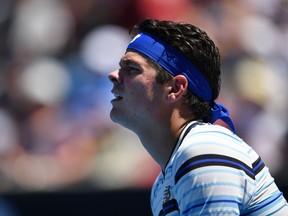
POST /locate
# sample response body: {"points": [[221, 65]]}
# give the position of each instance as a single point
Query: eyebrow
{"points": [[125, 62]]}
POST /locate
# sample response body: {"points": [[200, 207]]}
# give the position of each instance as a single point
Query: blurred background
{"points": [[58, 147]]}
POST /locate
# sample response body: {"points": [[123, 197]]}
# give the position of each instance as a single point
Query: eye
{"points": [[133, 69], [129, 67]]}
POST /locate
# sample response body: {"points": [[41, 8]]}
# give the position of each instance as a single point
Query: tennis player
{"points": [[165, 91]]}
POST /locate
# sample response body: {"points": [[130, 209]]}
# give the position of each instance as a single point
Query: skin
{"points": [[154, 111]]}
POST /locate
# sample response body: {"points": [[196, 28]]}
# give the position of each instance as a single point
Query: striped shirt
{"points": [[213, 172]]}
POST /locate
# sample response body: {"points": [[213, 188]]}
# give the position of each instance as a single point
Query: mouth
{"points": [[117, 97]]}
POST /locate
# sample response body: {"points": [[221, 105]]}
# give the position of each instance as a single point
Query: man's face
{"points": [[138, 97]]}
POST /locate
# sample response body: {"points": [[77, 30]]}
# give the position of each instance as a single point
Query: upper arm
{"points": [[203, 186]]}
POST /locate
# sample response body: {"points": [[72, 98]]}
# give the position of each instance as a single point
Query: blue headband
{"points": [[176, 63]]}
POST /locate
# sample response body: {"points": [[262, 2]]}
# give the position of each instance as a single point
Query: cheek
{"points": [[149, 93], [140, 95], [148, 97], [142, 90]]}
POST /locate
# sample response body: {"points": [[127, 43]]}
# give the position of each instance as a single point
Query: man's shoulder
{"points": [[209, 144], [211, 139]]}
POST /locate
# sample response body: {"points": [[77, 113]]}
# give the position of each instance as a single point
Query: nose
{"points": [[114, 76]]}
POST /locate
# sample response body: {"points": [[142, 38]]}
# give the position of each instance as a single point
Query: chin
{"points": [[116, 118], [113, 116]]}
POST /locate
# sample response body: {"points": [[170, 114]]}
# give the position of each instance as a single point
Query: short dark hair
{"points": [[196, 45]]}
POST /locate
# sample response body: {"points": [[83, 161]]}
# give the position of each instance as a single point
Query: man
{"points": [[165, 92]]}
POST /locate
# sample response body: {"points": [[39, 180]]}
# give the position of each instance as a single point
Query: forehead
{"points": [[134, 57]]}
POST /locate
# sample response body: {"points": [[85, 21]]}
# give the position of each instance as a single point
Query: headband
{"points": [[176, 63]]}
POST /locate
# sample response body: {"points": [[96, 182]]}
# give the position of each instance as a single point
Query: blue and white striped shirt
{"points": [[214, 172]]}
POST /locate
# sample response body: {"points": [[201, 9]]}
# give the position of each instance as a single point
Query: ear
{"points": [[178, 88]]}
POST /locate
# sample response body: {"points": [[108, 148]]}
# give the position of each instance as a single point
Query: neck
{"points": [[160, 141]]}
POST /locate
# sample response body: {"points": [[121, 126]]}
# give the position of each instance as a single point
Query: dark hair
{"points": [[195, 45]]}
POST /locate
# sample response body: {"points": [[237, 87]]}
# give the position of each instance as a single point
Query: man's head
{"points": [[197, 47], [181, 58]]}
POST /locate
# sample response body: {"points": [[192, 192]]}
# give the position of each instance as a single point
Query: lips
{"points": [[117, 96]]}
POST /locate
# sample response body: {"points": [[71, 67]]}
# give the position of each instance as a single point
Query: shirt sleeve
{"points": [[217, 173], [211, 185]]}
